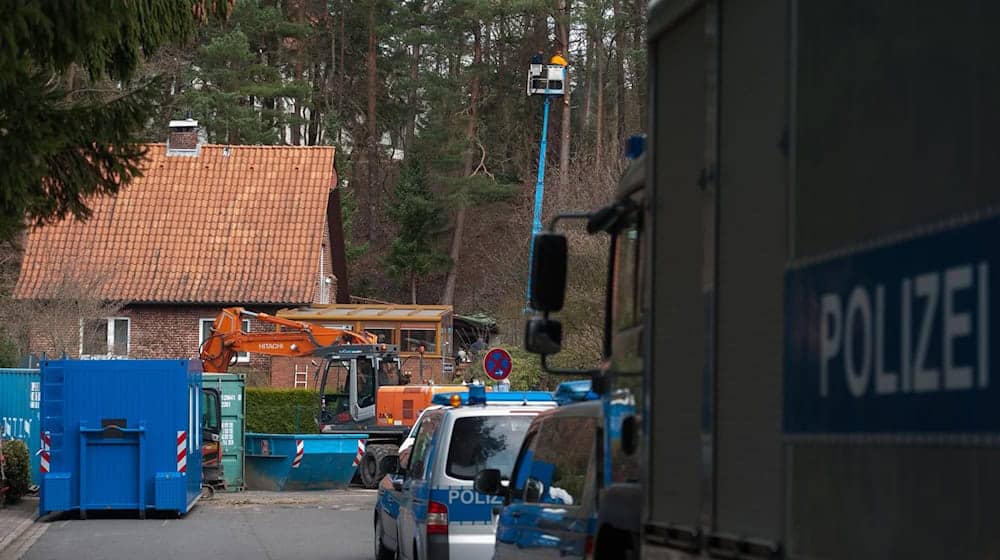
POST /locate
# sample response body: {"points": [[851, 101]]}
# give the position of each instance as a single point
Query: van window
{"points": [[562, 456], [523, 464], [422, 446], [485, 442]]}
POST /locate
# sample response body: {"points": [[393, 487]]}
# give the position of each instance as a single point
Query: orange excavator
{"points": [[364, 374], [300, 339]]}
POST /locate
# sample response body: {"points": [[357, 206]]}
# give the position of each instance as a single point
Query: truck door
{"points": [[363, 387], [679, 423], [211, 429], [552, 506]]}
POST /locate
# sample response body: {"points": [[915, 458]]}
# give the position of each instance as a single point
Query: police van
{"points": [[427, 507]]}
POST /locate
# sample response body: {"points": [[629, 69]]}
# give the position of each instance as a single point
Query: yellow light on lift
{"points": [[456, 400]]}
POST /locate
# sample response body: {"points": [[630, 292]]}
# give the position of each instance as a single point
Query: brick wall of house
{"points": [[155, 331], [54, 339], [172, 331], [283, 372]]}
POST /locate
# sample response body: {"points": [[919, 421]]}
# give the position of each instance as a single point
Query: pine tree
{"points": [[413, 253], [70, 114], [239, 86]]}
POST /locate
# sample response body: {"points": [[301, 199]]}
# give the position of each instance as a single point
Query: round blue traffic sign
{"points": [[498, 364]]}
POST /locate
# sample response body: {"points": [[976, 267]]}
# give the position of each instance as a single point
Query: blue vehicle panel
{"points": [[552, 507], [879, 338]]}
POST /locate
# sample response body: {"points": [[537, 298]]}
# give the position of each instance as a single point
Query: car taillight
{"points": [[437, 518]]}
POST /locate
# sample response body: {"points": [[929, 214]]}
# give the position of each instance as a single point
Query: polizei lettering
{"points": [[471, 497], [928, 333]]}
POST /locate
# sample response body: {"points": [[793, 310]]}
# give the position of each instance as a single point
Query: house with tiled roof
{"points": [[206, 226]]}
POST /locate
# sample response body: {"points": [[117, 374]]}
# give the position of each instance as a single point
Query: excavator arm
{"points": [[290, 338]]}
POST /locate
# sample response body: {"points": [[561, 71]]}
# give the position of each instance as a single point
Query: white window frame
{"points": [[241, 357], [110, 321]]}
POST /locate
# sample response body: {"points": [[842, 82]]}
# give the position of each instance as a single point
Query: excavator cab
{"points": [[356, 373], [335, 392]]}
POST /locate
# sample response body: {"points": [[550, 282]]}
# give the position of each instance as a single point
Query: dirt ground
{"points": [[347, 499]]}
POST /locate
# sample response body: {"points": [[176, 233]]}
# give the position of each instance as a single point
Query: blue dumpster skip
{"points": [[19, 398], [120, 435], [300, 461]]}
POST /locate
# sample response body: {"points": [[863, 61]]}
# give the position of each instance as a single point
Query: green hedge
{"points": [[16, 468], [281, 411]]}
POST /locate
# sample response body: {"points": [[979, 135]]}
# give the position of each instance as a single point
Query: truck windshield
{"points": [[485, 442]]}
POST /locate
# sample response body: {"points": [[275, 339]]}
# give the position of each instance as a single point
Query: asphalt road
{"points": [[249, 526]]}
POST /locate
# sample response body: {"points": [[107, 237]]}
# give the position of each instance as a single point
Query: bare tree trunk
{"points": [[372, 132], [599, 117], [448, 298], [620, 101], [298, 16], [564, 143], [411, 119], [297, 124], [639, 87], [589, 77], [413, 288]]}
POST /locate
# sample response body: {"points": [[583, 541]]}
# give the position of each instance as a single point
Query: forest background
{"points": [[437, 141]]}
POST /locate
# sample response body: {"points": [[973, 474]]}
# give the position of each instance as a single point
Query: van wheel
{"points": [[370, 468]]}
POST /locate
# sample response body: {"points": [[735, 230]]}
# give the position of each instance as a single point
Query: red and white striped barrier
{"points": [[361, 452], [300, 450], [43, 464], [182, 461]]}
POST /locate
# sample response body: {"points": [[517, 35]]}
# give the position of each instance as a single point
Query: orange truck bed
{"points": [[400, 405]]}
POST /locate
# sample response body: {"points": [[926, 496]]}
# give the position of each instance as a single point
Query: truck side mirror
{"points": [[548, 272], [543, 336], [488, 482]]}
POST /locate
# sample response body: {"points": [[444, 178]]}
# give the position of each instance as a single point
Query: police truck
{"points": [[805, 269]]}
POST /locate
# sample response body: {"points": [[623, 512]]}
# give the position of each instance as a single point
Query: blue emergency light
{"points": [[574, 391], [477, 395]]}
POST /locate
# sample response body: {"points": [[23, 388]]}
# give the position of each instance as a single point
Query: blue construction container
{"points": [[300, 461], [19, 419], [122, 435]]}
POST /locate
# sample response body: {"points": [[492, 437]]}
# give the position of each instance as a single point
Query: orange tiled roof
{"points": [[243, 228]]}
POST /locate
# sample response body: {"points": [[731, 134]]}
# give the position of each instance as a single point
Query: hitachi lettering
{"points": [[271, 345], [928, 333]]}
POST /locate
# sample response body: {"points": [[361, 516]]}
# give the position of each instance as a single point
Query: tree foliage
{"points": [[281, 411], [17, 469], [239, 85], [412, 254], [70, 113]]}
